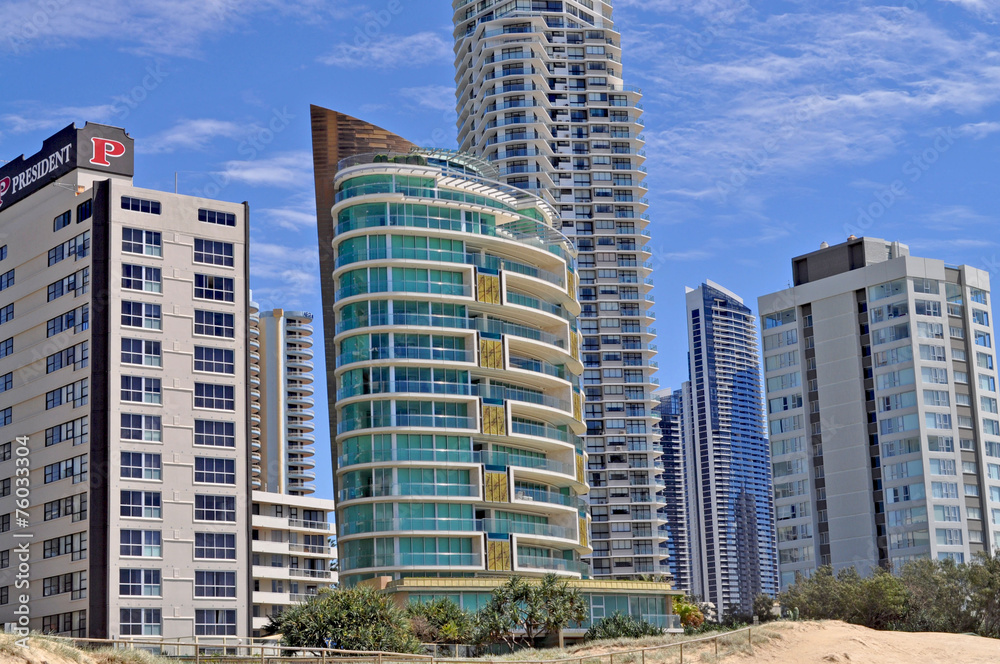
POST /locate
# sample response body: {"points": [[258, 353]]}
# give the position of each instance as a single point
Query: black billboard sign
{"points": [[93, 147]]}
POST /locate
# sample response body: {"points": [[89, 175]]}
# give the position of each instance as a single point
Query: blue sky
{"points": [[770, 126]]}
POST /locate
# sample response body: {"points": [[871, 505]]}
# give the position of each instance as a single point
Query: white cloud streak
{"points": [[392, 51]]}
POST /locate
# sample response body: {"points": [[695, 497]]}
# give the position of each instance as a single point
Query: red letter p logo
{"points": [[4, 188], [104, 148]]}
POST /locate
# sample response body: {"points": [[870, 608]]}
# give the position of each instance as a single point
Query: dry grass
{"points": [[622, 651], [47, 650]]}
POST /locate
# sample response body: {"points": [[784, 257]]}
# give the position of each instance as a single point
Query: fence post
{"points": [[643, 656], [716, 647], [197, 653], [262, 653], [750, 638]]}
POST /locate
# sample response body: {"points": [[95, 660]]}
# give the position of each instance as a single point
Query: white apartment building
{"points": [[291, 553], [542, 98], [882, 401], [122, 350]]}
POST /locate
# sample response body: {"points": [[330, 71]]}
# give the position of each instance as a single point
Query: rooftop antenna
{"points": [[175, 182]]}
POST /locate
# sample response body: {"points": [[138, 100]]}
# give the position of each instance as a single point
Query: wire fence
{"points": [[220, 650]]}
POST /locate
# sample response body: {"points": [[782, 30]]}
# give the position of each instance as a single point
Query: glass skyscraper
{"points": [[542, 98], [673, 467], [731, 509]]}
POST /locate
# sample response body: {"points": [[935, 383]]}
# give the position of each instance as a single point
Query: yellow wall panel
{"points": [[496, 488], [498, 556], [583, 532], [489, 289], [490, 354], [494, 421]]}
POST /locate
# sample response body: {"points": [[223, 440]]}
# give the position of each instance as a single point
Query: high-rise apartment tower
{"points": [[542, 98], [673, 466], [731, 508], [123, 328], [291, 552], [882, 394]]}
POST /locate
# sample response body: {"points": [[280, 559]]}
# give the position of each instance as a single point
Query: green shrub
{"points": [[349, 619], [621, 626]]}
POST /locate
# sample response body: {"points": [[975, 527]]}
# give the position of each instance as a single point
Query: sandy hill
{"points": [[833, 641]]}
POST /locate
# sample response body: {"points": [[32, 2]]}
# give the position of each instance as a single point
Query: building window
{"points": [[140, 205], [6, 313], [62, 221], [141, 466], [142, 352], [76, 356], [76, 431], [140, 622], [212, 287], [84, 211], [214, 360], [211, 470], [3, 252], [141, 505], [139, 582], [220, 218], [216, 397], [139, 241], [6, 347], [75, 468], [5, 416], [214, 508], [212, 252], [77, 282], [6, 279], [214, 434], [141, 543], [78, 246], [215, 546], [142, 278], [214, 324], [140, 389], [215, 622], [141, 314], [214, 584], [5, 452], [147, 428]]}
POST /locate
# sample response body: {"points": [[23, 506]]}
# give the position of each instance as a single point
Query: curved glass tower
{"points": [[541, 96], [458, 410]]}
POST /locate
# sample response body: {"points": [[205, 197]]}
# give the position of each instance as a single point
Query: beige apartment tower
{"points": [[290, 547], [882, 407], [123, 326]]}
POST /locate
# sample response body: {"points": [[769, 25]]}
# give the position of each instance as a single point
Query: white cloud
{"points": [[436, 97], [192, 135], [978, 130], [168, 28], [284, 276], [982, 7], [37, 118], [390, 51], [799, 92], [287, 170]]}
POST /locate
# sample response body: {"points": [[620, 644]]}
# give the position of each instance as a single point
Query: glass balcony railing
{"points": [[457, 456], [410, 560], [552, 565], [402, 420], [409, 489]]}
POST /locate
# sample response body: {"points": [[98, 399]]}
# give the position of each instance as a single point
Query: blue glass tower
{"points": [[676, 547], [731, 508]]}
